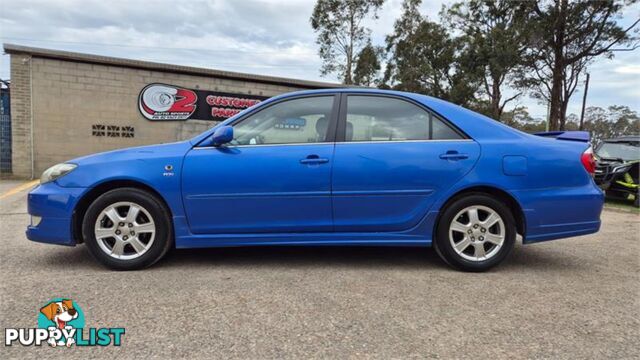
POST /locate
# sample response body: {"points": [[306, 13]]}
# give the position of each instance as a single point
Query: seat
{"points": [[322, 124], [348, 136]]}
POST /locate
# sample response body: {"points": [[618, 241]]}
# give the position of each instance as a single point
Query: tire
{"points": [[493, 234], [135, 241]]}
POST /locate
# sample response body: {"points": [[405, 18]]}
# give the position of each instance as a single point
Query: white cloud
{"points": [[628, 69]]}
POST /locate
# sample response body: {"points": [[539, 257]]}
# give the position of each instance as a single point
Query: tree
{"points": [[494, 38], [614, 121], [367, 66], [397, 44], [539, 87], [567, 36], [520, 119], [341, 34], [424, 58]]}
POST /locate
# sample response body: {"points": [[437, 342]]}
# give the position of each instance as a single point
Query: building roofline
{"points": [[155, 66]]}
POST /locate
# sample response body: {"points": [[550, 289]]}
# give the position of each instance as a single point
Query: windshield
{"points": [[625, 151]]}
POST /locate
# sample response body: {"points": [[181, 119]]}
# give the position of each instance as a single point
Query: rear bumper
{"points": [[54, 206], [564, 231], [561, 212]]}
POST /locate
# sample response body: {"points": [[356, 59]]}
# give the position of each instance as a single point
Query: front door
{"points": [[275, 176], [394, 159]]}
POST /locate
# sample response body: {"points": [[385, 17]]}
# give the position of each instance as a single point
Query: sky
{"points": [[268, 37]]}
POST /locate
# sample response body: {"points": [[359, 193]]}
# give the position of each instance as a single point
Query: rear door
{"points": [[391, 160]]}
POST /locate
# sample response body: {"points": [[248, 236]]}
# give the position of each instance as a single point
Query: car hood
{"points": [[158, 165], [135, 153]]}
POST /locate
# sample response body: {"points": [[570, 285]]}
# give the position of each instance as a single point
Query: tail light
{"points": [[589, 161]]}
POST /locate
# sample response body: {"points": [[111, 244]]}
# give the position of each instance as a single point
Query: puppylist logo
{"points": [[61, 323]]}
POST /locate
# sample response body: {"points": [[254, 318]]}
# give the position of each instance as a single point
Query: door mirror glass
{"points": [[222, 135]]}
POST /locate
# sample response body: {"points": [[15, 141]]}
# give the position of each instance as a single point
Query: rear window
{"points": [[377, 118]]}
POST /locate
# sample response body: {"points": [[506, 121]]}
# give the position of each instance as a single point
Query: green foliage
{"points": [[520, 119], [603, 124], [478, 49], [424, 58], [493, 39], [568, 35], [341, 35], [608, 123], [367, 66]]}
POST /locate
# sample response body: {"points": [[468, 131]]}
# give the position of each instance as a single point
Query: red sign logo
{"points": [[166, 102]]}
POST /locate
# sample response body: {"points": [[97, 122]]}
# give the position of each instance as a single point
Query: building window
{"points": [[127, 131], [97, 130], [113, 131]]}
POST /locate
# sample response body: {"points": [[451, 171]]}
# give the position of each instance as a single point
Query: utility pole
{"points": [[584, 102], [546, 125]]}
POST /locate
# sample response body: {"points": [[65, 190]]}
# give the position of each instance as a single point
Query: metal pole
{"points": [[546, 125], [584, 102]]}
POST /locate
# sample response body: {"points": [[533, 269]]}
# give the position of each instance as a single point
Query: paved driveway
{"points": [[574, 298]]}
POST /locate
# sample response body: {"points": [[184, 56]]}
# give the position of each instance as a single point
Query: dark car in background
{"points": [[618, 167]]}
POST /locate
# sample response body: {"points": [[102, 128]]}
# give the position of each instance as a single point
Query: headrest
{"points": [[321, 126], [348, 136]]}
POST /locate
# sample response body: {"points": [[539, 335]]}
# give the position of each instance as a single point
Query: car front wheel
{"points": [[127, 229], [475, 233]]}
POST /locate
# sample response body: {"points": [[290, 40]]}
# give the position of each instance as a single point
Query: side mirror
{"points": [[222, 135]]}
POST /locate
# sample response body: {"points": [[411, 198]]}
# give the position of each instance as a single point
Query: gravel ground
{"points": [[572, 298]]}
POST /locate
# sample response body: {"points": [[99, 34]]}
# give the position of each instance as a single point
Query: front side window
{"points": [[303, 120], [375, 118]]}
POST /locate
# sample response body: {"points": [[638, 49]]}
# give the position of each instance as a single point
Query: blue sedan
{"points": [[327, 167]]}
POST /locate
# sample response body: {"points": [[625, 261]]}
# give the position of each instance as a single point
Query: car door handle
{"points": [[314, 159], [453, 155]]}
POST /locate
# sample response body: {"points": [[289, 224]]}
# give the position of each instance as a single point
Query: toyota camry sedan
{"points": [[327, 167]]}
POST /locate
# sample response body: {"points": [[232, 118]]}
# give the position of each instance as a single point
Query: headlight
{"points": [[56, 171]]}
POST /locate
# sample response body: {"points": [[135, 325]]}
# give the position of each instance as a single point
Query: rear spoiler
{"points": [[582, 136]]}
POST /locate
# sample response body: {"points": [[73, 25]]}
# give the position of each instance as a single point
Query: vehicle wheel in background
{"points": [[475, 232], [127, 229]]}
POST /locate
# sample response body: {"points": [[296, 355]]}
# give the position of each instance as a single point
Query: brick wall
{"points": [[70, 96], [21, 115]]}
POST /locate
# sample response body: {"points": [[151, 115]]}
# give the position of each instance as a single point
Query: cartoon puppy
{"points": [[60, 312]]}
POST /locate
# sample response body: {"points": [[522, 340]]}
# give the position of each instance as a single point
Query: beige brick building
{"points": [[64, 105]]}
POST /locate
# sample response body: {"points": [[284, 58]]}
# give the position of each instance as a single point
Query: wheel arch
{"points": [[88, 198], [502, 195]]}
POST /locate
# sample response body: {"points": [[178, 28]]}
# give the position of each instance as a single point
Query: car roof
{"points": [[475, 125]]}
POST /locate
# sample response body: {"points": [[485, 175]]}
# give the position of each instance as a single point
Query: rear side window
{"points": [[377, 118]]}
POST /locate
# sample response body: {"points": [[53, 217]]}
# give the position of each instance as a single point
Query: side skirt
{"points": [[420, 235]]}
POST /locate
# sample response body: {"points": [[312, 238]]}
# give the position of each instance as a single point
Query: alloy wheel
{"points": [[477, 233], [124, 230]]}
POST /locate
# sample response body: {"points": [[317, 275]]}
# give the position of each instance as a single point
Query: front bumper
{"points": [[54, 206]]}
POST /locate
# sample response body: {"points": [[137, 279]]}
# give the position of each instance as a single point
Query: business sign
{"points": [[161, 102]]}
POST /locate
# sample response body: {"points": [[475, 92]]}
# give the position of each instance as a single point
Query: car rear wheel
{"points": [[127, 229], [475, 233]]}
